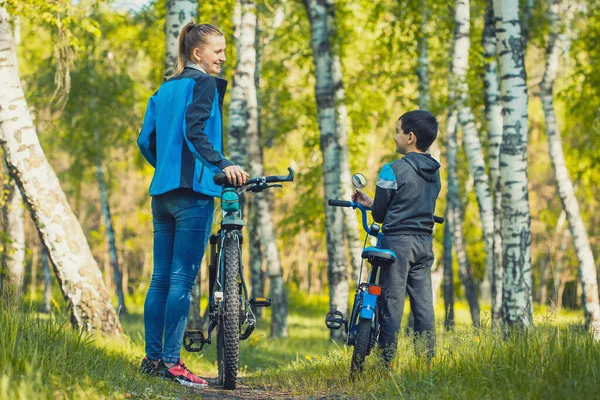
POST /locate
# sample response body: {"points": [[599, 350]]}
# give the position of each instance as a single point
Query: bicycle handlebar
{"points": [[221, 179], [363, 210]]}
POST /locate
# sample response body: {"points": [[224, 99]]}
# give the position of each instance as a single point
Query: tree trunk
{"points": [[179, 13], [326, 114], [110, 233], [560, 276], [423, 59], [257, 274], [14, 252], [517, 301], [493, 117], [581, 243], [78, 273], [527, 18], [343, 122], [471, 139], [47, 299], [245, 75], [448, 276], [455, 212]]}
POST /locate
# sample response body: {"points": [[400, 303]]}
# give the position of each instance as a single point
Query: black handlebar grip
{"points": [[438, 220], [338, 203], [219, 179]]}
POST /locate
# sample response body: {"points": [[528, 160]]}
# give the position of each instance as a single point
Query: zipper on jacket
{"points": [[201, 174]]}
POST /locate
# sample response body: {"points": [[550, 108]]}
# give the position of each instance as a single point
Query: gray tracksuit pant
{"points": [[411, 273]]}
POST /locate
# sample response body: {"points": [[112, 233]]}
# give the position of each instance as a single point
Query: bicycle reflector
{"points": [[374, 290], [230, 200]]}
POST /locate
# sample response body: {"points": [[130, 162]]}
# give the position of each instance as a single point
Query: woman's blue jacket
{"points": [[182, 134]]}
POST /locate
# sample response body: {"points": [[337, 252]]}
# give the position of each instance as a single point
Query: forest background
{"points": [[89, 95]]}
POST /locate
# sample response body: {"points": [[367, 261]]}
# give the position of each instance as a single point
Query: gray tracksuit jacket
{"points": [[405, 196]]}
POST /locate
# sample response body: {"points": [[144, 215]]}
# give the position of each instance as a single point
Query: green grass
{"points": [[43, 357]]}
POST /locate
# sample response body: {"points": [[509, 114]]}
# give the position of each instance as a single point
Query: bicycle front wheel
{"points": [[228, 335], [361, 347]]}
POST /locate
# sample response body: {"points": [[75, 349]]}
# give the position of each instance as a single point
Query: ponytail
{"points": [[192, 36]]}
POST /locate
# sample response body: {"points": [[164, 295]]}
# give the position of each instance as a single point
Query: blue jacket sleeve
{"points": [[197, 113], [147, 138], [384, 193]]}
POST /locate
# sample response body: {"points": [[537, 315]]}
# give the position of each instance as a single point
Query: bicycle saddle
{"points": [[377, 255]]}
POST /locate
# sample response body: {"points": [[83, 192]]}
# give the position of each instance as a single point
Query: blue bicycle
{"points": [[363, 326]]}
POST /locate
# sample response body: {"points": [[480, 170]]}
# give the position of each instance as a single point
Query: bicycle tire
{"points": [[361, 347], [228, 335]]}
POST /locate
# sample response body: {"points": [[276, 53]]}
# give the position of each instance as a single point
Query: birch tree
{"points": [[471, 140], [179, 13], [326, 114], [110, 235], [245, 80], [460, 57], [343, 122], [581, 243], [14, 251], [517, 300], [493, 117], [77, 271]]}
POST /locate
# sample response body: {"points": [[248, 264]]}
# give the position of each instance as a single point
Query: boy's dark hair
{"points": [[423, 125]]}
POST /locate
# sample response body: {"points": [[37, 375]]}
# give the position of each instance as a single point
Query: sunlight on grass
{"points": [[46, 358]]}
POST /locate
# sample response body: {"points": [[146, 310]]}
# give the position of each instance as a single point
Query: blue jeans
{"points": [[182, 222]]}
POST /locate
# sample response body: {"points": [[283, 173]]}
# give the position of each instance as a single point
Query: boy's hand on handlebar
{"points": [[236, 175], [362, 198]]}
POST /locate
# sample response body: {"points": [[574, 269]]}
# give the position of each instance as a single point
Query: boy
{"points": [[405, 197]]}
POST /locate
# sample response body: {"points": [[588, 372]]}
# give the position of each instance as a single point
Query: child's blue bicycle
{"points": [[363, 326]]}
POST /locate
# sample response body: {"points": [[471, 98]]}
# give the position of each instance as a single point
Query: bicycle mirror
{"points": [[359, 181]]}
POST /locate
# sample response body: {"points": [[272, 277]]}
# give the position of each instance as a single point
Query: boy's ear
{"points": [[412, 137]]}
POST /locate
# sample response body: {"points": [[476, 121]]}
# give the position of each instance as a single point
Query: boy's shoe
{"points": [[148, 367], [181, 374]]}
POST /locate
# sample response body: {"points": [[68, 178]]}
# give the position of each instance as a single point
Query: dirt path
{"points": [[214, 391]]}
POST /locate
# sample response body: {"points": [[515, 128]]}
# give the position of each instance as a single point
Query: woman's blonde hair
{"points": [[192, 36]]}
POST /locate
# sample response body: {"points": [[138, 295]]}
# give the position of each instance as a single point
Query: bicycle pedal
{"points": [[334, 320], [260, 302], [194, 341]]}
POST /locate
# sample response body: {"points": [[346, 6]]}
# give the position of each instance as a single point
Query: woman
{"points": [[182, 139]]}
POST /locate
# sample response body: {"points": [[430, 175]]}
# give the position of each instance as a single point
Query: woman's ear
{"points": [[196, 54]]}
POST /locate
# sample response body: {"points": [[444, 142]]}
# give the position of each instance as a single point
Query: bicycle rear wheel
{"points": [[228, 335], [361, 347]]}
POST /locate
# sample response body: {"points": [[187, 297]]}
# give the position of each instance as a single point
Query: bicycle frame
{"points": [[232, 224], [368, 293]]}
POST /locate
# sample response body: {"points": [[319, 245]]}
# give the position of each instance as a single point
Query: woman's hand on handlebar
{"points": [[362, 198], [236, 175]]}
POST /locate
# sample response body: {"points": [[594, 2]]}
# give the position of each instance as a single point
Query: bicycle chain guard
{"points": [[194, 341]]}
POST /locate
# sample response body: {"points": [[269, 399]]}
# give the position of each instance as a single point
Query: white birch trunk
{"points": [[493, 117], [14, 252], [581, 243], [245, 76], [343, 122], [326, 114], [110, 234], [179, 13], [456, 94], [517, 290], [78, 273], [471, 139]]}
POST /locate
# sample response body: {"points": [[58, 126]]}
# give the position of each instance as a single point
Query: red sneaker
{"points": [[181, 374]]}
